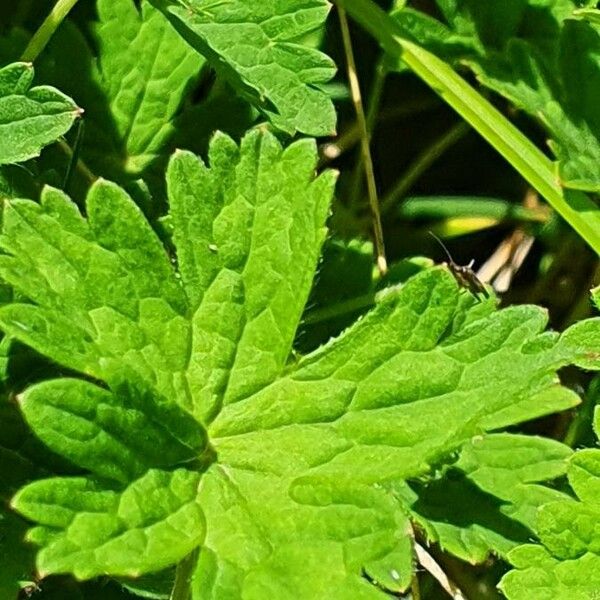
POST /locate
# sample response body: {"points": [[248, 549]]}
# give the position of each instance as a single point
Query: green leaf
{"points": [[202, 429], [538, 57], [487, 501], [31, 118], [595, 293], [258, 47], [590, 14], [345, 287], [145, 69], [92, 427], [248, 240], [566, 563], [132, 91], [575, 207], [89, 529], [343, 290], [456, 207]]}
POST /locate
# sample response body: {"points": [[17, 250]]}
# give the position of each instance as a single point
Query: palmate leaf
{"points": [[132, 90], [30, 118], [567, 562], [536, 55], [201, 431], [258, 47]]}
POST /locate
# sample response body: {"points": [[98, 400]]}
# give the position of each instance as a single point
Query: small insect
{"points": [[464, 275]]}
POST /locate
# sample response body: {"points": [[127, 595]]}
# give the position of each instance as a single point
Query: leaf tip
{"points": [[21, 398], [179, 152], [42, 574], [13, 503]]}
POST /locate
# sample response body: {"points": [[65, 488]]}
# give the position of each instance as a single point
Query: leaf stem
{"points": [[415, 590], [422, 163], [79, 164], [376, 95], [73, 162], [573, 205], [51, 23], [183, 576], [428, 563], [580, 429], [371, 115], [364, 142]]}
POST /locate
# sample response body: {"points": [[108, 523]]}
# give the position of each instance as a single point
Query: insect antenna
{"points": [[437, 239]]}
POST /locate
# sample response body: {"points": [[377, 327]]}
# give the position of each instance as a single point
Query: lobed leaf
{"points": [[89, 529], [278, 467], [30, 118], [92, 427], [565, 564], [132, 85], [258, 47], [487, 500]]}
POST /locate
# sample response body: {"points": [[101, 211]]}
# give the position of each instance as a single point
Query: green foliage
{"points": [[565, 564], [31, 117], [259, 48], [204, 395], [575, 207], [486, 502], [538, 56], [145, 70], [132, 92], [206, 434]]}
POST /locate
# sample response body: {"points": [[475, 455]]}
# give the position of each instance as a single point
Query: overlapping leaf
{"points": [[487, 500], [566, 564], [22, 459], [540, 57], [201, 431], [30, 118], [145, 70], [133, 90], [258, 47]]}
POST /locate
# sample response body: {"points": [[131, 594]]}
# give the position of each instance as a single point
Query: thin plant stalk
{"points": [[428, 563], [81, 167], [51, 23], [183, 577], [422, 163], [573, 205], [372, 113], [364, 142], [381, 73]]}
